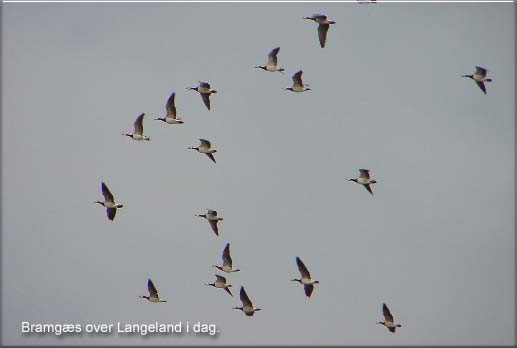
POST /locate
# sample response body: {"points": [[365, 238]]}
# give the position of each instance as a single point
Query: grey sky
{"points": [[436, 242]]}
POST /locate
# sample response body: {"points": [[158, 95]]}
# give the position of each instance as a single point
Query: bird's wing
{"points": [[322, 33], [480, 70], [318, 16], [303, 270], [206, 99], [170, 107], [227, 259], [228, 291], [204, 84], [387, 314], [308, 290], [481, 85], [108, 196], [246, 302], [220, 279], [111, 213], [139, 124], [205, 143], [213, 224], [368, 188], [364, 173], [211, 156], [273, 60], [297, 79], [151, 288]]}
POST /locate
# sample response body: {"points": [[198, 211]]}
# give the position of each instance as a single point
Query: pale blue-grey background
{"points": [[436, 242]]}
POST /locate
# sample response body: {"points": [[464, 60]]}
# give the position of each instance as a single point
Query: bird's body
{"points": [[227, 266], [388, 319], [154, 296], [213, 219], [220, 283], [247, 306], [305, 280], [204, 90], [323, 26], [138, 133], [365, 180], [170, 107], [479, 77], [205, 147], [109, 202], [298, 85], [272, 62]]}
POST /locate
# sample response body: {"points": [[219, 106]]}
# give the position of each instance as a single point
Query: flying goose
{"points": [[109, 202], [247, 306], [227, 261], [213, 219], [306, 280], [479, 77], [154, 296], [298, 85], [388, 319], [204, 90], [323, 27], [170, 117], [272, 62], [364, 179], [220, 283], [138, 133], [206, 148]]}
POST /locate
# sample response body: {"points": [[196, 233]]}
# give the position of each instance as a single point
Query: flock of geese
{"points": [[205, 91]]}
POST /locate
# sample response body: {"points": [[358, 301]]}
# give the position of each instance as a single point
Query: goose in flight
{"points": [[204, 90], [138, 133], [272, 62], [479, 77], [364, 179], [323, 26], [213, 219], [306, 280], [388, 319], [227, 261], [220, 283], [206, 148], [109, 202], [154, 296], [170, 108], [247, 305], [298, 85]]}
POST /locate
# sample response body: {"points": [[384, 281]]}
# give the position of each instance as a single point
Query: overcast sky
{"points": [[435, 242]]}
